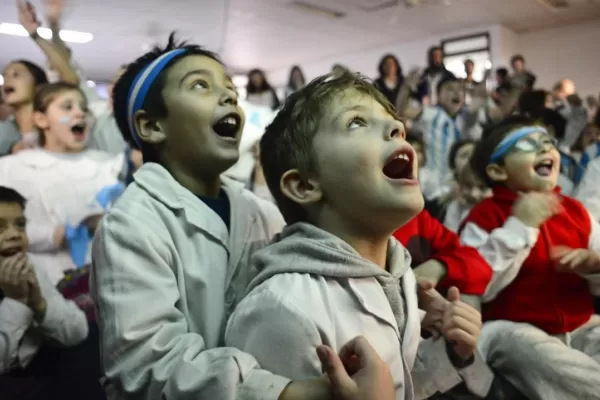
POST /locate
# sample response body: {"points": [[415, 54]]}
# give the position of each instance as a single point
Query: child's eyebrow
{"points": [[356, 107], [194, 72]]}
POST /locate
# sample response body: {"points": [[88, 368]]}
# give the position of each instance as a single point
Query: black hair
{"points": [[382, 64], [447, 78], [154, 103], [552, 119], [503, 72], [517, 57], [456, 146], [490, 139], [469, 61], [11, 196], [252, 88], [532, 103], [412, 138], [291, 84], [430, 52], [39, 76]]}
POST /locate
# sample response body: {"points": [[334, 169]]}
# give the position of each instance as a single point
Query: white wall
{"points": [[569, 51], [410, 54], [566, 52]]}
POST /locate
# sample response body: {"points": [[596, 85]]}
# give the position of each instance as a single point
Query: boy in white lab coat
{"points": [[344, 177], [171, 258]]}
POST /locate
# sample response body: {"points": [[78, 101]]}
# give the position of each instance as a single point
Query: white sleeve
{"points": [[433, 371], [41, 237], [588, 190], [64, 321], [594, 244], [148, 351], [15, 319], [504, 249], [277, 334]]}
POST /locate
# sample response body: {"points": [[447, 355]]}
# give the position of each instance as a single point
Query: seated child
{"points": [[62, 181], [337, 163], [540, 333], [33, 314], [471, 190], [459, 156]]}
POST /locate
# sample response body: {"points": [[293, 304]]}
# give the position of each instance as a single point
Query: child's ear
{"points": [[148, 129], [496, 173], [300, 190], [41, 121]]}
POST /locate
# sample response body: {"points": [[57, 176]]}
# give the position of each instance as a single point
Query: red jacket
{"points": [[556, 302], [425, 237]]}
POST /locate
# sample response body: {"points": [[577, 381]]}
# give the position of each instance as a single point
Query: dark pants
{"points": [[58, 374]]}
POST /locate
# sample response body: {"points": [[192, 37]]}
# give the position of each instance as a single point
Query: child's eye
{"points": [[356, 122], [200, 85]]}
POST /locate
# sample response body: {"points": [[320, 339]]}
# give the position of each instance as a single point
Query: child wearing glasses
{"points": [[540, 330]]}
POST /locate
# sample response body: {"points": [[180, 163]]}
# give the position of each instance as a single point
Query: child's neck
{"points": [[372, 246], [24, 118], [200, 186]]}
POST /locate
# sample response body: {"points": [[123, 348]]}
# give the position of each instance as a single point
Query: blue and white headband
{"points": [[512, 138], [141, 85]]}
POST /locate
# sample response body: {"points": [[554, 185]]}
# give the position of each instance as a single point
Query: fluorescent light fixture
{"points": [[68, 36], [1, 80], [91, 84]]}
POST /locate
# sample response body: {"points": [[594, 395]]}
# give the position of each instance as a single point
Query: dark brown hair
{"points": [[491, 138], [45, 95], [287, 142]]}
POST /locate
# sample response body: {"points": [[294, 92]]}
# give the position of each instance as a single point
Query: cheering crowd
{"points": [[413, 236]]}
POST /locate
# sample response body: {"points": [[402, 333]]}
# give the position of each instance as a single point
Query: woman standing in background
{"points": [[259, 91]]}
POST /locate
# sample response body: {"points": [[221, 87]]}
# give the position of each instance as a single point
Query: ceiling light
{"points": [[1, 80], [68, 36], [91, 84]]}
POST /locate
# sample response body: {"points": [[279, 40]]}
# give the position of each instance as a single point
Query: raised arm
{"points": [[28, 18]]}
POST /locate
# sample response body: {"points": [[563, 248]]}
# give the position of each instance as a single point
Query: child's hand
{"points": [[533, 209], [413, 78], [36, 302], [53, 10], [93, 222], [27, 16], [58, 238], [431, 270], [358, 373], [13, 282], [434, 304], [462, 326], [579, 261]]}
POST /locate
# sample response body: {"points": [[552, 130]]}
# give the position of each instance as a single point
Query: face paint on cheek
{"points": [[66, 120]]}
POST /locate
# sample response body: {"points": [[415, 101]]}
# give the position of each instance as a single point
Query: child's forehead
{"points": [[350, 99], [10, 210], [195, 64]]}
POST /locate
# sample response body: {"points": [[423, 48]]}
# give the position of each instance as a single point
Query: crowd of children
{"points": [[390, 240]]}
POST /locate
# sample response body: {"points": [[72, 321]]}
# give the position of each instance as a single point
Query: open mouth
{"points": [[400, 165], [10, 251], [8, 90], [78, 130], [544, 168], [456, 100], [228, 126]]}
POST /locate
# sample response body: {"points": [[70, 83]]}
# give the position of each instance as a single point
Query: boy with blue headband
{"points": [[540, 330], [170, 260]]}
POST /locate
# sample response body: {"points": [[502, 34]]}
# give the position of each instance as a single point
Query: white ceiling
{"points": [[273, 34]]}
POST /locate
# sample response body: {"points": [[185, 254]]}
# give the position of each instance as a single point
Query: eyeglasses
{"points": [[529, 144]]}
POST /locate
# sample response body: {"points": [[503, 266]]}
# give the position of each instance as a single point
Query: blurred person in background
{"points": [[296, 81], [390, 78], [259, 91]]}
